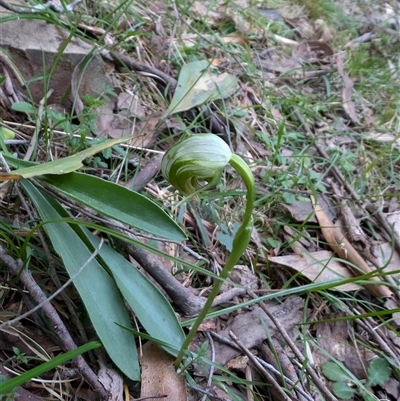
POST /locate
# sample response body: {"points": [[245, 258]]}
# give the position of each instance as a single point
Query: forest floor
{"points": [[313, 107]]}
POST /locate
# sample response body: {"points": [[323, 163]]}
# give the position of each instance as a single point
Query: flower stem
{"points": [[240, 243]]}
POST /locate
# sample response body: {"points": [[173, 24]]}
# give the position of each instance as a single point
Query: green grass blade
{"points": [[117, 202], [96, 287], [11, 384], [70, 163]]}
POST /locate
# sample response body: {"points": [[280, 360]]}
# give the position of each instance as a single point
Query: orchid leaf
{"points": [[64, 165], [97, 289], [117, 202]]}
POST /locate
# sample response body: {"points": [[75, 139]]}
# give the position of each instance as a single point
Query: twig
{"points": [[249, 386], [187, 302], [286, 365], [316, 380], [124, 61], [212, 368], [266, 365], [40, 7], [73, 315], [52, 296], [146, 174], [375, 333], [37, 294], [210, 396], [266, 374]]}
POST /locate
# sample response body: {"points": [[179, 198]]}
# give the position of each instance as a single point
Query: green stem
{"points": [[240, 243]]}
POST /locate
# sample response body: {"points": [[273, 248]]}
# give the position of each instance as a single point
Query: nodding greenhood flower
{"points": [[194, 160], [186, 166]]}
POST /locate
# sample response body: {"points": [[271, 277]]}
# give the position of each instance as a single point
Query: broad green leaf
{"points": [[6, 133], [23, 107], [99, 293], [343, 391], [378, 372], [66, 164], [117, 202], [198, 84], [334, 372], [59, 360], [147, 302]]}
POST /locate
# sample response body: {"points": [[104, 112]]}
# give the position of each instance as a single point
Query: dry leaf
{"points": [[314, 51], [118, 117], [383, 137], [205, 14], [318, 267], [348, 85], [342, 247], [301, 26], [333, 337], [159, 377]]}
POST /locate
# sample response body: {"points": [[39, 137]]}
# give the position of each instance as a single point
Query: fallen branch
{"points": [[25, 276]]}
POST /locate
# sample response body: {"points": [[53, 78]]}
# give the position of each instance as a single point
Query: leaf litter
{"points": [[314, 244]]}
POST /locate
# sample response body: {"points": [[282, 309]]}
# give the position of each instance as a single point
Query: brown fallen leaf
{"points": [[348, 85], [318, 267], [333, 339], [159, 377], [251, 327], [314, 51], [342, 247]]}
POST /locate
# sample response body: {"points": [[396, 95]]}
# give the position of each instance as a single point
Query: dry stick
{"points": [[266, 365], [53, 273], [285, 364], [187, 302], [52, 296], [352, 227], [317, 381], [146, 174], [339, 176], [184, 299], [266, 374], [374, 332], [37, 294], [124, 61], [248, 374], [212, 368]]}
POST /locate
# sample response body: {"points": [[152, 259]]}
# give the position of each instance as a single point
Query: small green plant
{"points": [[198, 160], [20, 356], [345, 386]]}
